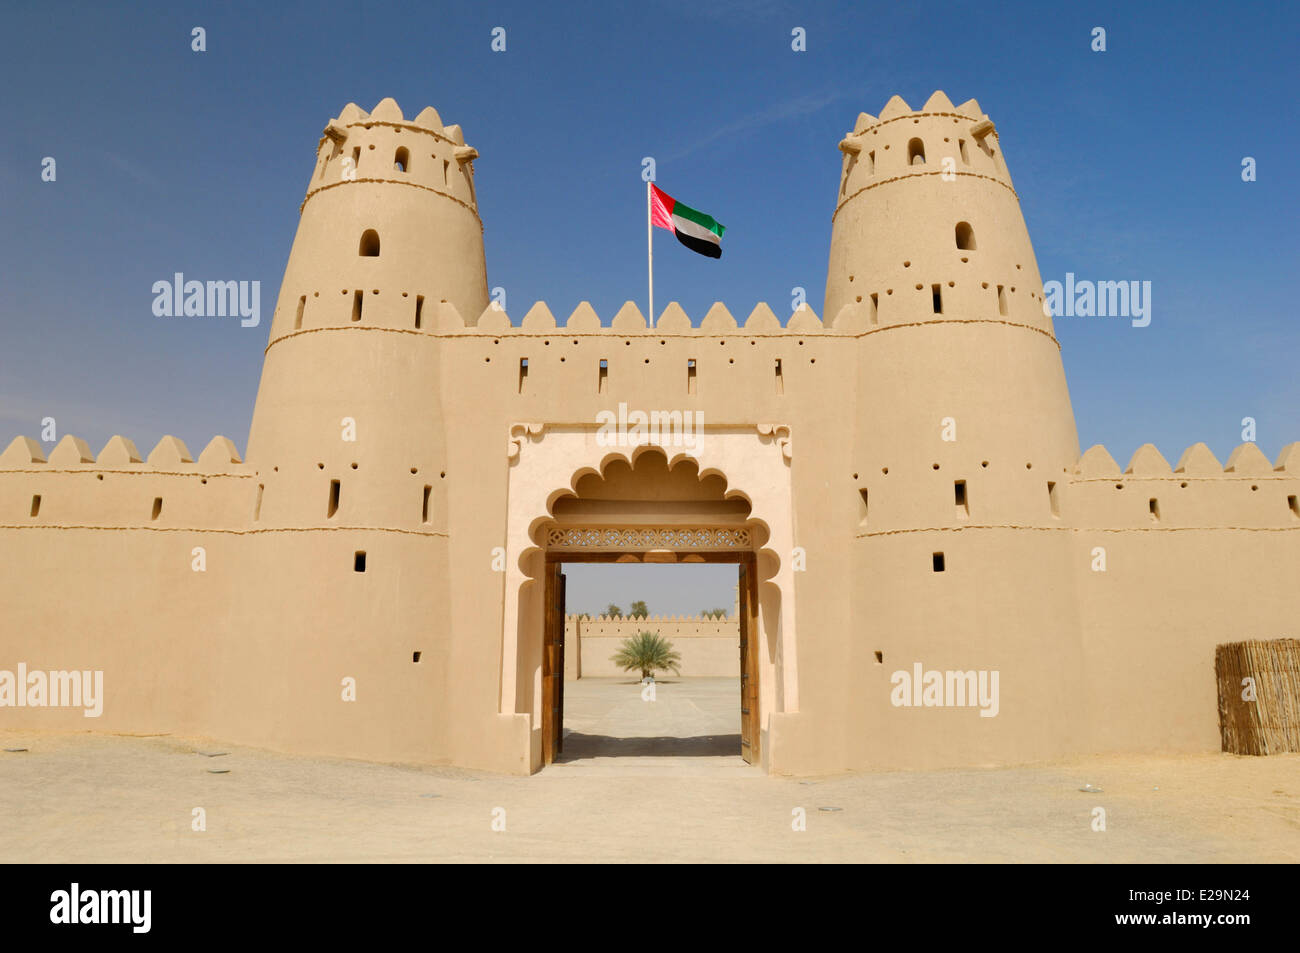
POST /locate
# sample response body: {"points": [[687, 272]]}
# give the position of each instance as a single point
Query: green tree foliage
{"points": [[646, 652]]}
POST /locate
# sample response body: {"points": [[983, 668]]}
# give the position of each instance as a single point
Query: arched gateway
{"points": [[576, 496]]}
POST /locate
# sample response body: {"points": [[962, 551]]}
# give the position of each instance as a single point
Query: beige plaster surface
{"points": [[93, 797]]}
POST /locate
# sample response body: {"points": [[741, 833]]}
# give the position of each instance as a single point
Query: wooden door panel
{"points": [[749, 701]]}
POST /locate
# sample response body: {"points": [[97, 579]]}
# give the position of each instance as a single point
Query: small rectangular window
{"points": [[302, 305], [1053, 499], [604, 375], [690, 376], [523, 373], [357, 296], [415, 657], [1002, 300], [961, 145], [157, 507], [334, 498], [36, 504], [424, 512], [936, 293], [359, 561], [937, 562], [959, 498], [1153, 507], [871, 163], [1291, 501], [780, 379], [419, 311]]}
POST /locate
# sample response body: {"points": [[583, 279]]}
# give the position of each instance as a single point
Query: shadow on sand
{"points": [[578, 746]]}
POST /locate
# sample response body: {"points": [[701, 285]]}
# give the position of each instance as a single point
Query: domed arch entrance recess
{"points": [[572, 499]]}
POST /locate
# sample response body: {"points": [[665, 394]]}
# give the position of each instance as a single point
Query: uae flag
{"points": [[697, 231]]}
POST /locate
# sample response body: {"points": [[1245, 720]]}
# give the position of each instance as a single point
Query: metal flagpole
{"points": [[650, 252]]}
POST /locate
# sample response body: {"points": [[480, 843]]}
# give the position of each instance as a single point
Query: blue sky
{"points": [[1127, 164]]}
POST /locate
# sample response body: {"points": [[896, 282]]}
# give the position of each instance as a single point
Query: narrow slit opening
{"points": [[936, 294], [936, 562], [690, 376], [257, 503], [1053, 499], [1002, 300], [359, 561], [302, 306], [523, 373], [36, 505], [333, 506], [419, 311], [357, 297], [862, 508], [780, 378], [424, 507], [604, 375], [157, 508], [959, 499]]}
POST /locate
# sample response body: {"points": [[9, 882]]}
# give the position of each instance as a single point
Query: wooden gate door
{"points": [[749, 723], [553, 665]]}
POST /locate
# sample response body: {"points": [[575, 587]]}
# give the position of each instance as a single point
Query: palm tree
{"points": [[647, 651]]}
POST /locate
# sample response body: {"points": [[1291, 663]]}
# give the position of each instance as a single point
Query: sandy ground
{"points": [[657, 782]]}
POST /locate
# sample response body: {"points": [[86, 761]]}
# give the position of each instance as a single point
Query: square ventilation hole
{"points": [[359, 561], [415, 657], [937, 561]]}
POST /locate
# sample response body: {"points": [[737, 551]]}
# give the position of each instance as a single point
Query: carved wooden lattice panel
{"points": [[687, 539]]}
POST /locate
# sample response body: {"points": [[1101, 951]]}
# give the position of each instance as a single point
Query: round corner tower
{"points": [[929, 241], [964, 437], [388, 230], [349, 551]]}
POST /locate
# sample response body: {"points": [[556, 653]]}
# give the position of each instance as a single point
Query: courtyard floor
{"points": [[659, 782]]}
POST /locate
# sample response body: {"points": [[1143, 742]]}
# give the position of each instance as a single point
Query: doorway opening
{"points": [[595, 658]]}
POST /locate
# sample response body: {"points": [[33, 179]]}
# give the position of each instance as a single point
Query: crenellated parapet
{"points": [[389, 225], [655, 619], [1248, 492], [120, 488], [385, 147], [927, 226], [904, 142]]}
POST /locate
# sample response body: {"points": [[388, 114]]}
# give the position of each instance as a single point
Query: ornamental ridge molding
{"points": [[675, 538], [521, 433], [781, 434]]}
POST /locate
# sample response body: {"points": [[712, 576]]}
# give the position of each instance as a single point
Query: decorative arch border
{"points": [[546, 461]]}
